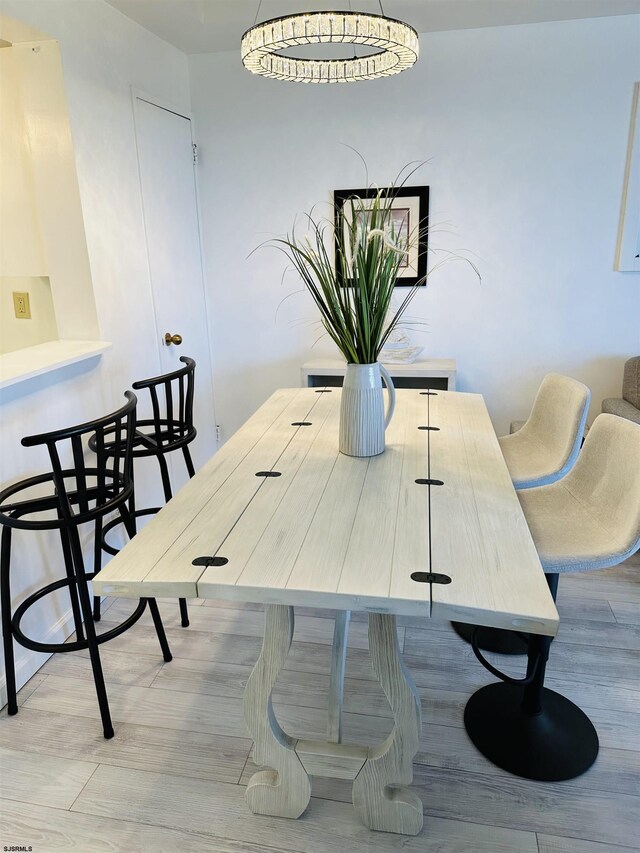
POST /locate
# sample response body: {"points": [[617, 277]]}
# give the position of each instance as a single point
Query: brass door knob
{"points": [[172, 339]]}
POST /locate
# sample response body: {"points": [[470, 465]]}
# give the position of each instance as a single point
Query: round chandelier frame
{"points": [[396, 41]]}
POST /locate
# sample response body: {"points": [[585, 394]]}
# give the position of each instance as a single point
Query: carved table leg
{"points": [[379, 793], [285, 788]]}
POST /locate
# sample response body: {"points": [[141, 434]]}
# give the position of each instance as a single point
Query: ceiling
{"points": [[204, 26]]}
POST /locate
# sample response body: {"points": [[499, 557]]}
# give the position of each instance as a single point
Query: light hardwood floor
{"points": [[173, 777]]}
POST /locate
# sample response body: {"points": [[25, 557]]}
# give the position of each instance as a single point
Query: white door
{"points": [[167, 177]]}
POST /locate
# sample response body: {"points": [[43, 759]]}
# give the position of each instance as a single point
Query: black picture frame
{"points": [[416, 197]]}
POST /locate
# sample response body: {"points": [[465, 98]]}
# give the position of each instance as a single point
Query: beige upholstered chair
{"points": [[589, 520], [628, 406], [547, 445]]}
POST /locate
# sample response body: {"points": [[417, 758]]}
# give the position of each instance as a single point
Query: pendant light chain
{"points": [[255, 20]]}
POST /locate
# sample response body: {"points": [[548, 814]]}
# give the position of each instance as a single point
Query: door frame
{"points": [[164, 104]]}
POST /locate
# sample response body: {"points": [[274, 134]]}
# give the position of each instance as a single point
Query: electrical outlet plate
{"points": [[21, 305]]}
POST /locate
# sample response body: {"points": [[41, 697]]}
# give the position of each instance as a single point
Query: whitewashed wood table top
{"points": [[341, 532]]}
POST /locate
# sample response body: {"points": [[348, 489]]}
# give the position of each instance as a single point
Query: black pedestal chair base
{"points": [[498, 640], [525, 728], [557, 743]]}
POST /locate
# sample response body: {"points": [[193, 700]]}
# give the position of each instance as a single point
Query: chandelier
{"points": [[395, 42]]}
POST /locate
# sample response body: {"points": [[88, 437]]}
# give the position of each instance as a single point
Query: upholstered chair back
{"points": [[631, 382], [557, 421], [606, 479]]}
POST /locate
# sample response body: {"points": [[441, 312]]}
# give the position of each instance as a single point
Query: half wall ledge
{"points": [[26, 363]]}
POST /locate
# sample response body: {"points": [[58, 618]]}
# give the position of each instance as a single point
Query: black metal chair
{"points": [[70, 495], [171, 428]]}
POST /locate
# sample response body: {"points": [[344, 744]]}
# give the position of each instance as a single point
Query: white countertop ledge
{"points": [[26, 363]]}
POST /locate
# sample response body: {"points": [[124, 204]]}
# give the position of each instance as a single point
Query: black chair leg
{"points": [[73, 592], [164, 474], [97, 565], [162, 637], [184, 613], [98, 675], [129, 522], [526, 728], [132, 499], [7, 633], [92, 641], [96, 666], [188, 461]]}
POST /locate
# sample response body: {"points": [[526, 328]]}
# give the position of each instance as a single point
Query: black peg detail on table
{"points": [[427, 481], [323, 390], [433, 429], [210, 561], [430, 577], [268, 474], [301, 423], [428, 393]]}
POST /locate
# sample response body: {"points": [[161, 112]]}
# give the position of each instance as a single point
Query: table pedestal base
{"points": [[284, 789], [381, 774]]}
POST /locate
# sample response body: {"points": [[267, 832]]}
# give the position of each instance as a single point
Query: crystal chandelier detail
{"points": [[396, 42]]}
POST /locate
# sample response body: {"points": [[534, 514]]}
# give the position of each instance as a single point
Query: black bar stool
{"points": [[73, 496], [171, 428]]}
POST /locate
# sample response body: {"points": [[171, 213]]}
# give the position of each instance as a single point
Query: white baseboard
{"points": [[30, 662]]}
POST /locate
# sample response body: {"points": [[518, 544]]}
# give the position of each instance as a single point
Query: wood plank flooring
{"points": [[173, 777]]}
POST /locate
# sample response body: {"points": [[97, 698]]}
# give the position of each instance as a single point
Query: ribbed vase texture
{"points": [[362, 411]]}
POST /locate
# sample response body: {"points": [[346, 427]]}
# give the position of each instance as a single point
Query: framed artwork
{"points": [[409, 218], [628, 243]]}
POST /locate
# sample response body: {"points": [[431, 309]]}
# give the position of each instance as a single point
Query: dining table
{"points": [[431, 528]]}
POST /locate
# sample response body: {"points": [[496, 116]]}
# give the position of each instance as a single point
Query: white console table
{"points": [[429, 373]]}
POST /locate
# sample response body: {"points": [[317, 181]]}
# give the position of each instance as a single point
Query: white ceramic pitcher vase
{"points": [[362, 417]]}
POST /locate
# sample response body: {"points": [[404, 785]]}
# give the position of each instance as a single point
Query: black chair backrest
{"points": [[86, 492], [172, 405]]}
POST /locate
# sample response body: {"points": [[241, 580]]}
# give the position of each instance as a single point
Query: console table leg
{"points": [[285, 788], [380, 795], [336, 681]]}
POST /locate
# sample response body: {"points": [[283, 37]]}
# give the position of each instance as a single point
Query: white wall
{"points": [[103, 54], [41, 211], [21, 251], [17, 332], [525, 129]]}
